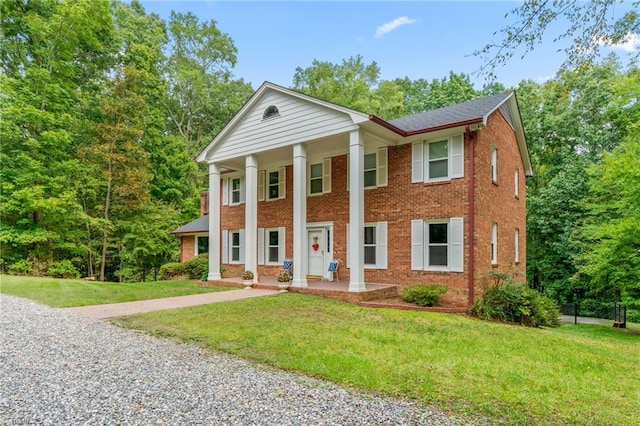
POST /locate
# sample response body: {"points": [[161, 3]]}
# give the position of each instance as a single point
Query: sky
{"points": [[415, 39]]}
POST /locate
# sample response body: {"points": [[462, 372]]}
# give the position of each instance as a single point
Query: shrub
{"points": [[512, 301], [424, 295], [196, 266], [63, 269], [171, 270], [21, 267]]}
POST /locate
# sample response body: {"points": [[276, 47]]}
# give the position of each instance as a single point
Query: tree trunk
{"points": [[105, 235]]}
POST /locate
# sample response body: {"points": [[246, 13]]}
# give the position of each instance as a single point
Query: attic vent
{"points": [[271, 111]]}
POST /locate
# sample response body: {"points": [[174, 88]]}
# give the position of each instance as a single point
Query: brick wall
{"points": [[187, 247]]}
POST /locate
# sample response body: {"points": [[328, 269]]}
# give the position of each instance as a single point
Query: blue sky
{"points": [[416, 39]]}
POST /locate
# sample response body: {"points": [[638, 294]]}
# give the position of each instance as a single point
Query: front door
{"points": [[316, 247]]}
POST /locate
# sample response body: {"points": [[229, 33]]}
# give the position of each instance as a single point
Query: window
{"points": [[235, 191], [375, 169], [271, 184], [270, 112], [494, 164], [315, 178], [437, 244], [271, 246], [374, 245], [494, 243], [516, 182], [437, 160], [235, 246], [516, 246], [202, 244], [370, 245], [370, 170]]}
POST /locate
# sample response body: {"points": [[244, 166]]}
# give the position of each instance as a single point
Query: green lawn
{"points": [[573, 375], [62, 293]]}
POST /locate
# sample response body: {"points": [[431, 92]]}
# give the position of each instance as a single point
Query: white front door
{"points": [[316, 249]]}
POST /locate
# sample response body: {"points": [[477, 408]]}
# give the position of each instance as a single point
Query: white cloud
{"points": [[630, 44], [390, 26]]}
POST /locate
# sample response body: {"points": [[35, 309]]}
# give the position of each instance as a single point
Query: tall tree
{"points": [[353, 84], [53, 56]]}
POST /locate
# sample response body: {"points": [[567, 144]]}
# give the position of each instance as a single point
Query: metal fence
{"points": [[616, 313]]}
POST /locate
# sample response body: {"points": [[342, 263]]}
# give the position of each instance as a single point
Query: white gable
{"points": [[300, 119]]}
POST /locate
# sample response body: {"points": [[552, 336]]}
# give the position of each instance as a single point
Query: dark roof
{"points": [[466, 111], [201, 224]]}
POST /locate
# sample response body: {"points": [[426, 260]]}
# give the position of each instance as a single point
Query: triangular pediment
{"points": [[299, 119]]}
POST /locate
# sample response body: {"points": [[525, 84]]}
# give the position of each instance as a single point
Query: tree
{"points": [[611, 235], [352, 84], [590, 24]]}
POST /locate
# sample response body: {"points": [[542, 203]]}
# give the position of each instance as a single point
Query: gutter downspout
{"points": [[472, 210]]}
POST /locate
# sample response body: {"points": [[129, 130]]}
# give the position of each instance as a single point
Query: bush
{"points": [[194, 269], [424, 295], [21, 267], [171, 270], [509, 300], [63, 269]]}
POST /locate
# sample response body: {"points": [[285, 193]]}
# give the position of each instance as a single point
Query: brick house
{"points": [[437, 197]]}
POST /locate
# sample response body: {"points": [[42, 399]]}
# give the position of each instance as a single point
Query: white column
{"points": [[300, 259], [251, 216], [214, 222], [356, 211]]}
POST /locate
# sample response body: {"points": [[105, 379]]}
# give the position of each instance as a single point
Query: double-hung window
{"points": [[271, 184], [494, 243], [375, 169], [494, 164], [319, 177], [233, 191], [437, 245], [374, 245], [271, 246], [233, 246], [437, 160]]}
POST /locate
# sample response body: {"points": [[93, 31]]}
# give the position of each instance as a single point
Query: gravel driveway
{"points": [[58, 368]]}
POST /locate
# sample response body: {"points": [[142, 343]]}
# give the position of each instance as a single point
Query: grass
{"points": [[573, 375], [63, 293]]}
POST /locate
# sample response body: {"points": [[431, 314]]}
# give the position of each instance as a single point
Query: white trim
{"points": [[225, 246], [261, 257], [267, 246], [516, 246], [516, 182], [214, 223], [417, 245], [421, 161], [420, 245], [494, 243], [494, 164]]}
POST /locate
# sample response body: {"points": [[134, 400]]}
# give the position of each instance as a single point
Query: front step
{"points": [[314, 278]]}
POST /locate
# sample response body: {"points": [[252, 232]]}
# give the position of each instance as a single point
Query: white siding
{"points": [[299, 121]]}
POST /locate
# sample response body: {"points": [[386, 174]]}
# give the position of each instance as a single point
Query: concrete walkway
{"points": [[129, 308]]}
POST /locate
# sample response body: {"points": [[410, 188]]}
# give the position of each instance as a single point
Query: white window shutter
{"points": [[347, 240], [348, 171], [417, 162], [281, 182], [456, 157], [382, 171], [225, 246], [242, 190], [262, 178], [381, 245], [225, 192], [281, 244], [326, 175], [242, 247], [417, 245], [261, 260], [456, 244]]}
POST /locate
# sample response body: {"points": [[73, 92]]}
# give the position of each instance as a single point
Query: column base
{"points": [[299, 283], [357, 287], [214, 277]]}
